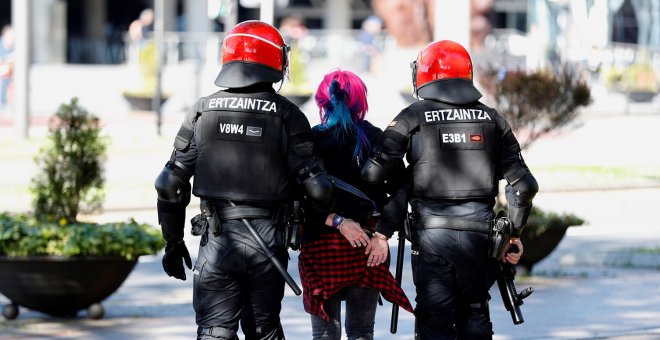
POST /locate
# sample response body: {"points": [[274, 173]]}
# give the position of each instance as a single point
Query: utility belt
{"points": [[450, 222], [211, 217], [498, 230]]}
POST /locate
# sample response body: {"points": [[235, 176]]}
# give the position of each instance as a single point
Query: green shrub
{"points": [[22, 235], [536, 102], [71, 177], [71, 166], [540, 221]]}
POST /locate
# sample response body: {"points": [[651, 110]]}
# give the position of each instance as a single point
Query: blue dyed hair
{"points": [[342, 100]]}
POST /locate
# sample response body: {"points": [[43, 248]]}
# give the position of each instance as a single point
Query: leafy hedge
{"points": [[539, 221], [22, 235]]}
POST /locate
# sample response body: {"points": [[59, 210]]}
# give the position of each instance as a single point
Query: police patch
{"points": [[392, 123], [253, 131]]}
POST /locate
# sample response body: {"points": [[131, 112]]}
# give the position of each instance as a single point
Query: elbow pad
{"points": [[520, 195], [173, 198], [172, 185], [376, 169], [316, 183]]}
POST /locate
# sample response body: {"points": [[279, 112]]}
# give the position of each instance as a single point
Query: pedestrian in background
{"points": [[6, 67], [371, 43]]}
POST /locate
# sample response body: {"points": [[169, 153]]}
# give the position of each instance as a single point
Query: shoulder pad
{"points": [[187, 129]]}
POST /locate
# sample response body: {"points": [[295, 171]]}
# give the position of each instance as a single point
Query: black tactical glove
{"points": [[174, 254]]}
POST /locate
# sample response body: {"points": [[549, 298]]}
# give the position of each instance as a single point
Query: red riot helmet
{"points": [[252, 52], [443, 71]]}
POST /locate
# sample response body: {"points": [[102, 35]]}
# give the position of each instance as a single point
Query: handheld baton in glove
{"points": [[398, 276]]}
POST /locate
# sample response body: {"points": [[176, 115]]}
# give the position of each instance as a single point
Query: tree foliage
{"points": [[536, 102], [71, 177]]}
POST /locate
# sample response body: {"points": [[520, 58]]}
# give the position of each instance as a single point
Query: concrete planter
{"points": [[539, 245], [61, 286], [641, 96]]}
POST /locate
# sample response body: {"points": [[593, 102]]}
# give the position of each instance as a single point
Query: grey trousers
{"points": [[360, 315]]}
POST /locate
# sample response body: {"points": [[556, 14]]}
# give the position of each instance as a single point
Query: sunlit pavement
{"points": [[591, 287]]}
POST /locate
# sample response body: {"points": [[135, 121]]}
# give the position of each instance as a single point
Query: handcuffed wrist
{"points": [[381, 236], [344, 221], [337, 221]]}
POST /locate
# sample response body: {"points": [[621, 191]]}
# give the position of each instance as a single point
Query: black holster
{"points": [[207, 220], [407, 227], [293, 230]]}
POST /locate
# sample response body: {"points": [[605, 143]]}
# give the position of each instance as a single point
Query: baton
{"points": [[269, 254], [398, 274]]}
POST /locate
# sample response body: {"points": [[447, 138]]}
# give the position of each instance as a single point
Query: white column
{"points": [[338, 14], [159, 29], [267, 11], [197, 24], [49, 28], [196, 16], [231, 13], [452, 21], [20, 13], [337, 20], [169, 16]]}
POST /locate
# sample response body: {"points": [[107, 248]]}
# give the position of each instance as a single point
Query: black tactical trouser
{"points": [[452, 274], [232, 270]]}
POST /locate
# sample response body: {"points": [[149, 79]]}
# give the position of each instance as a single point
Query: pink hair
{"points": [[351, 85]]}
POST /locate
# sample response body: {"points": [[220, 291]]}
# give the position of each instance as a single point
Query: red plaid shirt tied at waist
{"points": [[330, 263]]}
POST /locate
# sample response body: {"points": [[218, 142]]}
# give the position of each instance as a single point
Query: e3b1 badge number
{"points": [[459, 138]]}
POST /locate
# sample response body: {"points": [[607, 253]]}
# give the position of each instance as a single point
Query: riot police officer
{"points": [[243, 145], [457, 149]]}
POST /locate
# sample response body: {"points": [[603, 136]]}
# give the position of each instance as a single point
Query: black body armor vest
{"points": [[242, 144], [455, 151]]}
